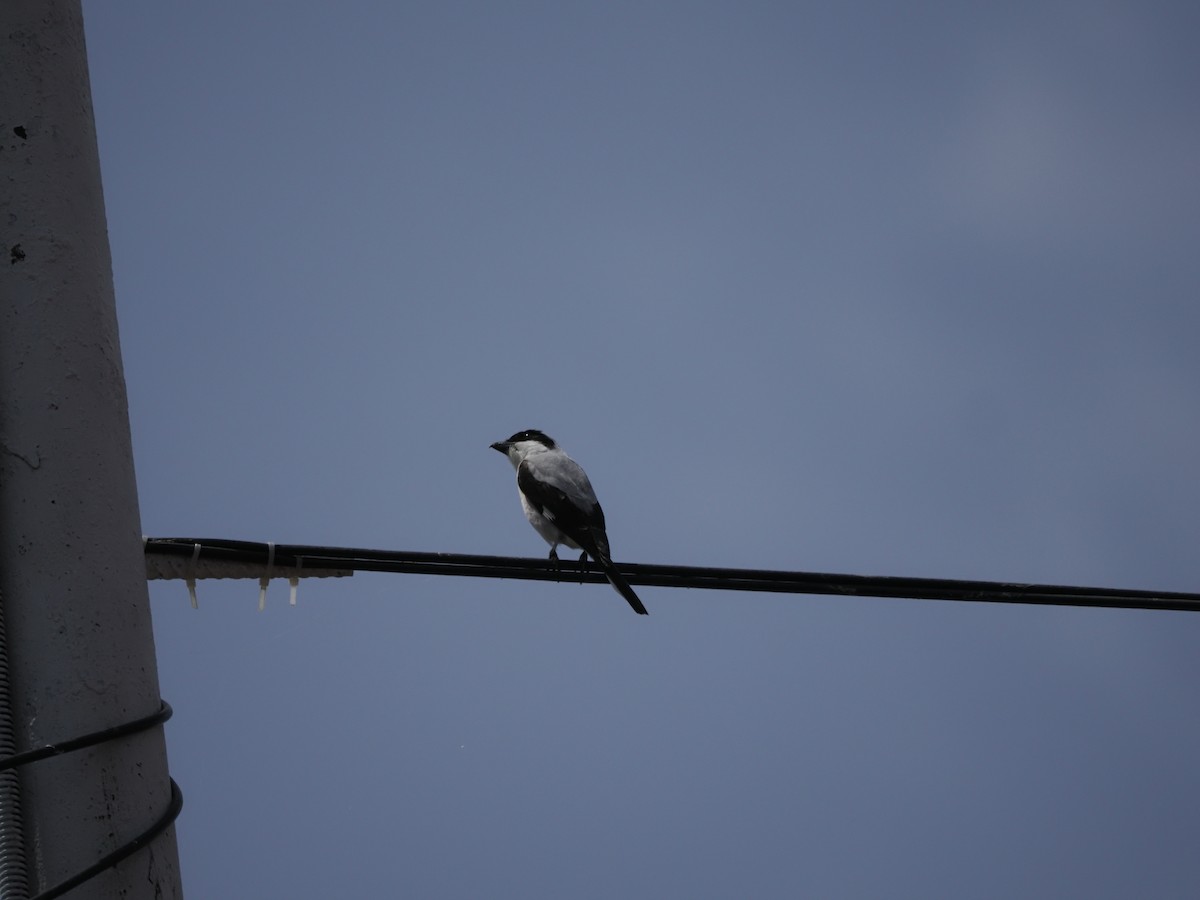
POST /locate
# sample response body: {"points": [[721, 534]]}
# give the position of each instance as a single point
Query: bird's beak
{"points": [[502, 446]]}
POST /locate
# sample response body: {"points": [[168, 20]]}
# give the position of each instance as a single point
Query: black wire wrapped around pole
{"points": [[292, 556]]}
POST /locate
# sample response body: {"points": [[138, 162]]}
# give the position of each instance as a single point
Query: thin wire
{"points": [[130, 847], [466, 565], [174, 806], [157, 717]]}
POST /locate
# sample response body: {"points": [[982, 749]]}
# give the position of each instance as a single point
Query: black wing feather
{"points": [[584, 527]]}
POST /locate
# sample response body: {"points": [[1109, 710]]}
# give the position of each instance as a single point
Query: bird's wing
{"points": [[560, 491]]}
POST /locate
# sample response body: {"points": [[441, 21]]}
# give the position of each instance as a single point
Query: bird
{"points": [[561, 505]]}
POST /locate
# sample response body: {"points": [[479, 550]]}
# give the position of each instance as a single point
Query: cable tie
{"points": [[266, 579], [191, 578], [294, 581]]}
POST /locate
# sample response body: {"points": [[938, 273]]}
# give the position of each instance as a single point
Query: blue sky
{"points": [[881, 289]]}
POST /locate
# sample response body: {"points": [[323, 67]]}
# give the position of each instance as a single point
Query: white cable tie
{"points": [[191, 576], [294, 581], [266, 579]]}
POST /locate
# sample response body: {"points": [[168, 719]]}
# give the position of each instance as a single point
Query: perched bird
{"points": [[560, 504]]}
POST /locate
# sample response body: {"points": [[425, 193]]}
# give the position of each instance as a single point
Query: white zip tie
{"points": [[294, 582], [266, 579], [191, 576]]}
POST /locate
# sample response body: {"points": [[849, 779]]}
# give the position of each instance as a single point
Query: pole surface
{"points": [[72, 574]]}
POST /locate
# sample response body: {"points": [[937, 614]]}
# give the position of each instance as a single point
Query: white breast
{"points": [[547, 529]]}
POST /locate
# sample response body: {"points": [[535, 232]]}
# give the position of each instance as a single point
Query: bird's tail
{"points": [[618, 581]]}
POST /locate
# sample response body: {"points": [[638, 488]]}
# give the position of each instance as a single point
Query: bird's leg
{"points": [[583, 565]]}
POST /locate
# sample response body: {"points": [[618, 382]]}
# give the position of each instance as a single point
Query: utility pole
{"points": [[80, 650]]}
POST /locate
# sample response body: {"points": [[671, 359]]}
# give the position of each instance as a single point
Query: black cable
{"points": [[131, 846], [125, 850], [163, 713], [314, 557]]}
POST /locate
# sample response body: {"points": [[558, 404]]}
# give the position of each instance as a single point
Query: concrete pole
{"points": [[72, 573]]}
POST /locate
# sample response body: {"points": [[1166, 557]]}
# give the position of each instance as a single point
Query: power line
{"points": [[193, 558]]}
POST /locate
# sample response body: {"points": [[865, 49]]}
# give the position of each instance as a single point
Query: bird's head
{"points": [[521, 444]]}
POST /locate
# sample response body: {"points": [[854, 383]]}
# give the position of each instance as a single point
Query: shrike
{"points": [[560, 504]]}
